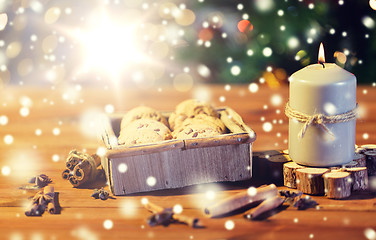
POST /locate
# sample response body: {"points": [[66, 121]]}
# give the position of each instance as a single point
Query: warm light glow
{"points": [[109, 46], [321, 53]]}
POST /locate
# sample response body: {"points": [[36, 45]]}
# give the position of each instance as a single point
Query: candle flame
{"points": [[321, 54]]}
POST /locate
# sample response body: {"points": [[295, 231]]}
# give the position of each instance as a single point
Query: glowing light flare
{"points": [[13, 49], [276, 100], [253, 87], [101, 151], [321, 53], [128, 208], [23, 163], [206, 34], [330, 108], [210, 195], [245, 26], [55, 158], [177, 208], [252, 191], [5, 170], [3, 120], [52, 15], [90, 122], [340, 57], [108, 224], [110, 46], [235, 70], [372, 4], [368, 22], [8, 139], [267, 52], [229, 225], [267, 127], [370, 234], [84, 233], [264, 5], [271, 80], [183, 82], [184, 17], [151, 181], [122, 168], [3, 21]]}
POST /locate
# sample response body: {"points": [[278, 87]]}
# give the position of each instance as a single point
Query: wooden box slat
{"points": [[175, 163]]}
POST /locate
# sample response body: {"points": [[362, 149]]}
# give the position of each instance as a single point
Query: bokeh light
{"points": [[177, 208], [370, 234], [8, 139], [253, 87], [245, 26], [3, 21], [372, 4], [151, 181], [229, 225], [3, 120], [267, 127], [6, 170], [108, 224], [128, 208], [122, 168], [183, 82], [252, 191]]}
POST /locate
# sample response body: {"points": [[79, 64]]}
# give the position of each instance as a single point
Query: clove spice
{"points": [[165, 216]]}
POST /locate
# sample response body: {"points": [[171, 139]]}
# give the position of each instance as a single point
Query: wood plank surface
{"points": [[67, 124]]}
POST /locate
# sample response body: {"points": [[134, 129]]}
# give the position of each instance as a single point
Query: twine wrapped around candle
{"points": [[319, 119]]}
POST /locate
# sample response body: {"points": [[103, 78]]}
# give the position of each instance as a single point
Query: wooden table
{"points": [[56, 124]]}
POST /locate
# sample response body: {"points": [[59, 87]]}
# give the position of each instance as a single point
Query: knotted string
{"points": [[319, 119]]}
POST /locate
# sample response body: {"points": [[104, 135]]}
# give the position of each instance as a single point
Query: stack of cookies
{"points": [[143, 125], [191, 119], [195, 119]]}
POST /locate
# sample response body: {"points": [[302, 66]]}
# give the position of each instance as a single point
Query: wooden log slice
{"points": [[289, 174], [368, 147], [359, 160], [337, 185], [371, 162], [310, 181], [359, 177]]}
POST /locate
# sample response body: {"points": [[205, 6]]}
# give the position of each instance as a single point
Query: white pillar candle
{"points": [[328, 90]]}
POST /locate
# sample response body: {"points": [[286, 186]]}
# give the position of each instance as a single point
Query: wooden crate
{"points": [[175, 163]]}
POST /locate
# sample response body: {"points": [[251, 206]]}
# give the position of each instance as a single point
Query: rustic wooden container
{"points": [[175, 163]]}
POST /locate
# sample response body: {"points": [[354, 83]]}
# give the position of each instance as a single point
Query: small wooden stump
{"points": [[368, 147], [289, 174], [310, 181], [358, 161], [359, 177], [337, 184], [371, 162]]}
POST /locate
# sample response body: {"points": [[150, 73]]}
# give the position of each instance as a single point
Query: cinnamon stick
{"points": [[240, 200], [266, 205], [49, 191]]}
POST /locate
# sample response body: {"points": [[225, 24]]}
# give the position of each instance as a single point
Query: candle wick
{"points": [[322, 63]]}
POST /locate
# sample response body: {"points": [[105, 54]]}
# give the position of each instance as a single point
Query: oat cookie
{"points": [[150, 124], [141, 136], [189, 109], [142, 112], [204, 120], [233, 121], [197, 131]]}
